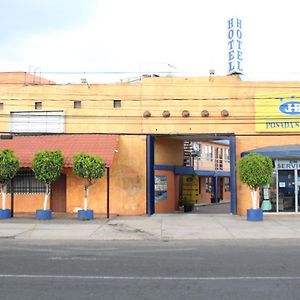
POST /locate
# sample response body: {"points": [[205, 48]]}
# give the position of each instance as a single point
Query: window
{"points": [[37, 121], [161, 192], [208, 153], [226, 184], [208, 184], [227, 155], [25, 183], [77, 104], [37, 105], [1, 106], [117, 103]]}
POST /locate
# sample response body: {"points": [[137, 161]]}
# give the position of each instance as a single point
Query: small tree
{"points": [[255, 170], [47, 166], [9, 166], [90, 168]]}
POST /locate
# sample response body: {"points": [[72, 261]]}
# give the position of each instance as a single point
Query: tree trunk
{"points": [[254, 198], [46, 195], [86, 192], [3, 191]]}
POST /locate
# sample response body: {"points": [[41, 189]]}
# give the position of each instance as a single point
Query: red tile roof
{"points": [[25, 147]]}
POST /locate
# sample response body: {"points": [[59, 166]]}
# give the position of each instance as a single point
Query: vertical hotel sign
{"points": [[277, 112], [235, 54]]}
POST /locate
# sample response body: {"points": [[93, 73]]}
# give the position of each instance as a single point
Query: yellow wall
{"points": [[170, 204], [26, 202], [128, 179], [127, 182], [128, 176], [168, 151]]}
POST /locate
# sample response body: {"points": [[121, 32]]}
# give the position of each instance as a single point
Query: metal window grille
{"points": [[25, 183]]}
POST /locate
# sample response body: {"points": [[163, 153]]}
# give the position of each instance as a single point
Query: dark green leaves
{"points": [[255, 170], [47, 165], [9, 165], [88, 166]]}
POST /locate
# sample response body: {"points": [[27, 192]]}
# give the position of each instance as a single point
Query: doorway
{"points": [[288, 190], [58, 194]]}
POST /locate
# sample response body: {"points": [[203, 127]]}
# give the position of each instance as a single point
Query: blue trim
{"points": [[150, 175], [164, 167], [222, 173], [182, 170], [233, 190], [215, 189], [205, 173]]}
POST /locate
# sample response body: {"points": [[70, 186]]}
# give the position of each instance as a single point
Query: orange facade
{"points": [[165, 100]]}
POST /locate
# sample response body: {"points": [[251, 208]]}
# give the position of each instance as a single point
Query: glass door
{"points": [[287, 190]]}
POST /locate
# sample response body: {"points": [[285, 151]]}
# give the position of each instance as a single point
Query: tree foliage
{"points": [[255, 170], [9, 165], [88, 166], [47, 165]]}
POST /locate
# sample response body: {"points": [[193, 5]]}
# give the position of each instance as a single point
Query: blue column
{"points": [[150, 175], [232, 153], [216, 189]]}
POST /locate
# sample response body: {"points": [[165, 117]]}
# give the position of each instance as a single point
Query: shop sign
{"points": [[277, 112], [287, 164], [190, 187], [235, 54]]}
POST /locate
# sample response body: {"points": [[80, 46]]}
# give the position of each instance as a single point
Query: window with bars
{"points": [[25, 183]]}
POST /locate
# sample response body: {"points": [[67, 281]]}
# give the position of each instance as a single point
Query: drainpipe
{"points": [[12, 196], [107, 193]]}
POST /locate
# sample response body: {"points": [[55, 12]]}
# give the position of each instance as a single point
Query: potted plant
{"points": [[188, 204], [255, 170], [9, 166], [47, 166], [90, 168]]}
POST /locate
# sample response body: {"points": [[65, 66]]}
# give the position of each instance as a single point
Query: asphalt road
{"points": [[206, 269]]}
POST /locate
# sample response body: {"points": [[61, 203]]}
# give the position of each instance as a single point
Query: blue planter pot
{"points": [[86, 214], [5, 213], [43, 214], [254, 214]]}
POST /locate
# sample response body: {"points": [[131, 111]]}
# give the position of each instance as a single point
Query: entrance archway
{"points": [[166, 173]]}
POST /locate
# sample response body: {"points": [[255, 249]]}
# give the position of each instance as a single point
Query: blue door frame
{"points": [[232, 153], [150, 199], [150, 175]]}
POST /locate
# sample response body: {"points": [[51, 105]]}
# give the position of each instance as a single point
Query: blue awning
{"points": [[282, 151]]}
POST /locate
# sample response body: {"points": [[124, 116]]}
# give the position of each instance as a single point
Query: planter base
{"points": [[254, 214], [43, 214], [5, 213], [86, 214]]}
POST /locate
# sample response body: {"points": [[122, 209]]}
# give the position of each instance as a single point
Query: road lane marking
{"points": [[28, 276]]}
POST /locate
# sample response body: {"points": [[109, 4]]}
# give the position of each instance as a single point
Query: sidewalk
{"points": [[156, 227]]}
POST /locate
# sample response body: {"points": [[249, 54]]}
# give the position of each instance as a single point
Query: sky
{"points": [[113, 40]]}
